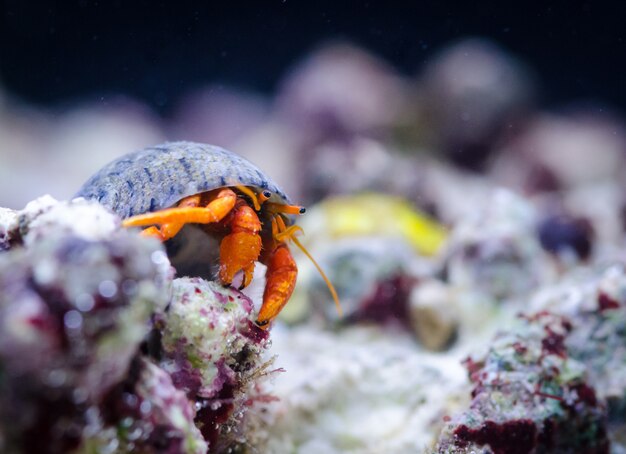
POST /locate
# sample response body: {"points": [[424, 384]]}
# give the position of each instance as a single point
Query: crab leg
{"points": [[171, 220], [280, 282], [242, 246], [170, 230], [280, 278]]}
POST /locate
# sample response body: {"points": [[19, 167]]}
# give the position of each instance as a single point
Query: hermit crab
{"points": [[167, 186]]}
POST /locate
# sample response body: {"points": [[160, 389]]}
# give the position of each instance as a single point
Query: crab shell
{"points": [[158, 177]]}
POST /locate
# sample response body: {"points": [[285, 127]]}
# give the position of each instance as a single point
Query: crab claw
{"points": [[280, 278]]}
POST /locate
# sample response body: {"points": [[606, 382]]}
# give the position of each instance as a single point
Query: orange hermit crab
{"points": [[165, 187]]}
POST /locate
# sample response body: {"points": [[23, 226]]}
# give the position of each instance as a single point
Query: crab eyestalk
{"points": [[264, 196], [285, 209], [252, 195]]}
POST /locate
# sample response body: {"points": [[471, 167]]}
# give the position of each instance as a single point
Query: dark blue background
{"points": [[156, 50]]}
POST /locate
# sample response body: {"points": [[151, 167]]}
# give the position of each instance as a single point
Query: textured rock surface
{"points": [[364, 391], [73, 312], [430, 315], [557, 381], [552, 381], [102, 351], [214, 353], [495, 251], [144, 413], [529, 395], [8, 219]]}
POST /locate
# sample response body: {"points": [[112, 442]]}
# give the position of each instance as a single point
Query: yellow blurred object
{"points": [[380, 214]]}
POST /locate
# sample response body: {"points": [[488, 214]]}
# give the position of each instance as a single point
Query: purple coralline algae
{"points": [[214, 353]]}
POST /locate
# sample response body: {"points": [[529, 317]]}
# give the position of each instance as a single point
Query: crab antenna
{"points": [[285, 209], [250, 193], [290, 233], [330, 286]]}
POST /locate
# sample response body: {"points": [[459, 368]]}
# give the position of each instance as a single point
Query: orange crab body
{"points": [[242, 244]]}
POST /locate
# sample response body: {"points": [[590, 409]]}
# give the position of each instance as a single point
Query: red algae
{"points": [[586, 394], [388, 302], [254, 333], [554, 344], [214, 413], [605, 302], [511, 437]]}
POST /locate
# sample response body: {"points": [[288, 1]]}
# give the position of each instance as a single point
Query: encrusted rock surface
{"points": [[73, 312], [144, 413], [101, 350], [364, 391], [557, 381], [214, 353], [495, 250], [529, 395]]}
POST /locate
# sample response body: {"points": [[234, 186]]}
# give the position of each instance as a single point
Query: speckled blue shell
{"points": [[160, 176]]}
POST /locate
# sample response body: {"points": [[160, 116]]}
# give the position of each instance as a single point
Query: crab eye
{"points": [[264, 196], [302, 210]]}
